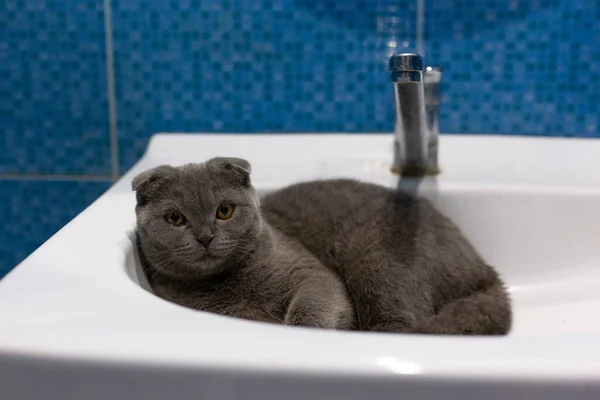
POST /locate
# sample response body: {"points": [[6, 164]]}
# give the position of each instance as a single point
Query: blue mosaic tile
{"points": [[53, 107], [32, 211], [255, 66], [517, 67]]}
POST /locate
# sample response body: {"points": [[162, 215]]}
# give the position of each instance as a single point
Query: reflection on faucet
{"points": [[417, 98]]}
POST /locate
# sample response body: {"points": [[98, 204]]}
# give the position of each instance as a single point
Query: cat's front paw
{"points": [[403, 324], [325, 319], [311, 311]]}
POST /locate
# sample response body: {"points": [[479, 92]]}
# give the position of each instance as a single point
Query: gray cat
{"points": [[406, 266], [205, 246], [337, 254]]}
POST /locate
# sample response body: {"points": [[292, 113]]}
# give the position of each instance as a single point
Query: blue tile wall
{"points": [[510, 67], [53, 107], [517, 67], [254, 66], [32, 211]]}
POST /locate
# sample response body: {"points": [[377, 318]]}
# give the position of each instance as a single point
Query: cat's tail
{"points": [[486, 312]]}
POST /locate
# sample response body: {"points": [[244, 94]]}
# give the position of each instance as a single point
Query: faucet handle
{"points": [[406, 67], [432, 78]]}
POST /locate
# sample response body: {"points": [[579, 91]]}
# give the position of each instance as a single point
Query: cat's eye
{"points": [[176, 219], [225, 211]]}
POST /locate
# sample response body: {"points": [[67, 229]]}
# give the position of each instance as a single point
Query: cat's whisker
{"points": [[161, 265]]}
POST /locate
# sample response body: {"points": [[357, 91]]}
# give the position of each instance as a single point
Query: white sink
{"points": [[74, 319]]}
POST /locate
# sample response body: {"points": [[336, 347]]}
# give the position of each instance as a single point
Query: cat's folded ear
{"points": [[237, 166], [148, 181]]}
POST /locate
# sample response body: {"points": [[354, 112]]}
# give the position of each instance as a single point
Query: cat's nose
{"points": [[205, 240]]}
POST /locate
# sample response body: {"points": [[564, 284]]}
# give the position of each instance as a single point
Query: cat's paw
{"points": [[400, 322], [320, 318]]}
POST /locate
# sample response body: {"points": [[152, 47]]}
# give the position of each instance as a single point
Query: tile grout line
{"points": [[420, 17], [56, 177], [110, 77]]}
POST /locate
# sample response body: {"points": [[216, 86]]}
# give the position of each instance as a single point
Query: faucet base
{"points": [[406, 168], [414, 170]]}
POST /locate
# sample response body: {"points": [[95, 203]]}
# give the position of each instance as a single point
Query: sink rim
{"points": [[512, 358]]}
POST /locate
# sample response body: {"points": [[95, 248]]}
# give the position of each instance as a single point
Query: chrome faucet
{"points": [[417, 97]]}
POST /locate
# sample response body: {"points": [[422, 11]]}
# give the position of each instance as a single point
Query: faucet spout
{"points": [[415, 145]]}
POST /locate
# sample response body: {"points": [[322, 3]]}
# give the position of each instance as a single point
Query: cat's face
{"points": [[193, 220]]}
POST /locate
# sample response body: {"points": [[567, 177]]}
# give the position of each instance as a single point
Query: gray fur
{"points": [[249, 270], [336, 254], [407, 267]]}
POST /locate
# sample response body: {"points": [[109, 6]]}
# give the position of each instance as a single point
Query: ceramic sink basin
{"points": [[76, 317]]}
